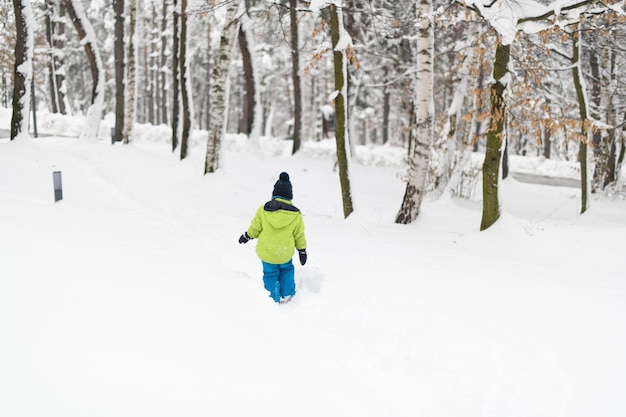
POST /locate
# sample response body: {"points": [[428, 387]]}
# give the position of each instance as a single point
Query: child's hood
{"points": [[280, 213]]}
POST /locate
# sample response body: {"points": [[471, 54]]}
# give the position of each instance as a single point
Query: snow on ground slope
{"points": [[132, 297]]}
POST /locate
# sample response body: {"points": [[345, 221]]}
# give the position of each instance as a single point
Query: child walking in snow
{"points": [[279, 227]]}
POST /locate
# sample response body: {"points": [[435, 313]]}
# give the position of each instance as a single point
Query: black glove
{"points": [[244, 238], [302, 254]]}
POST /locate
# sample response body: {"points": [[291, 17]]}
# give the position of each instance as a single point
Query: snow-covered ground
{"points": [[131, 296]]}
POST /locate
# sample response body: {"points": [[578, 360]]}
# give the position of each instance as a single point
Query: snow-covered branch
{"points": [[507, 18]]}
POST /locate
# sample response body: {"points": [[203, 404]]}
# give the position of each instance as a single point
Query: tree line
{"points": [[443, 79]]}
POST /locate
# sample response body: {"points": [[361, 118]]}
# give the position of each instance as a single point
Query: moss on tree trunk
{"points": [[495, 138], [340, 115]]}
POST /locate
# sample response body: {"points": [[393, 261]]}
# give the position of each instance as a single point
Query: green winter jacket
{"points": [[279, 227]]}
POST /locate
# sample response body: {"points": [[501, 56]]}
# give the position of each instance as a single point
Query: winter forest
{"points": [[439, 282], [441, 80]]}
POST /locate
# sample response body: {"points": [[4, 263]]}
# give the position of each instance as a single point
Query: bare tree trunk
{"points": [[547, 142], [162, 66], [248, 71], [600, 146], [495, 139], [547, 135], [295, 75], [462, 137], [118, 6], [253, 106], [339, 59], [132, 72], [386, 113], [87, 37], [480, 105], [582, 107], [505, 158], [175, 78], [184, 83], [418, 162], [55, 33], [89, 48], [611, 117], [206, 115], [604, 144], [152, 71], [219, 90], [622, 153], [22, 70]]}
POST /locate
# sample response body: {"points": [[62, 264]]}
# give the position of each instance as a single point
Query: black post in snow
{"points": [[58, 186]]}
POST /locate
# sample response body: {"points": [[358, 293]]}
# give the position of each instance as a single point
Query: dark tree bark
{"points": [[88, 39], [340, 113], [118, 7], [547, 143], [151, 63], [21, 76], [612, 173], [295, 75], [602, 63], [622, 152], [495, 138], [186, 114], [89, 50], [582, 107], [175, 79], [247, 113], [55, 31], [600, 146], [386, 113]]}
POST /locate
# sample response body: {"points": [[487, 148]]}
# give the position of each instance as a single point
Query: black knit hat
{"points": [[282, 188]]}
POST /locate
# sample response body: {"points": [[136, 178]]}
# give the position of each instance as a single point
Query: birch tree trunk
{"points": [[219, 90], [464, 137], [419, 159], [340, 65], [184, 83], [118, 7], [23, 68], [495, 139], [153, 77], [162, 68], [132, 72], [205, 115], [88, 38]]}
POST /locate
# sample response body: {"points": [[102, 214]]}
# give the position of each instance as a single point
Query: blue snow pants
{"points": [[279, 280]]}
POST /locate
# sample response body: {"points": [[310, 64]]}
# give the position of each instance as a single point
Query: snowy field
{"points": [[132, 298]]}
